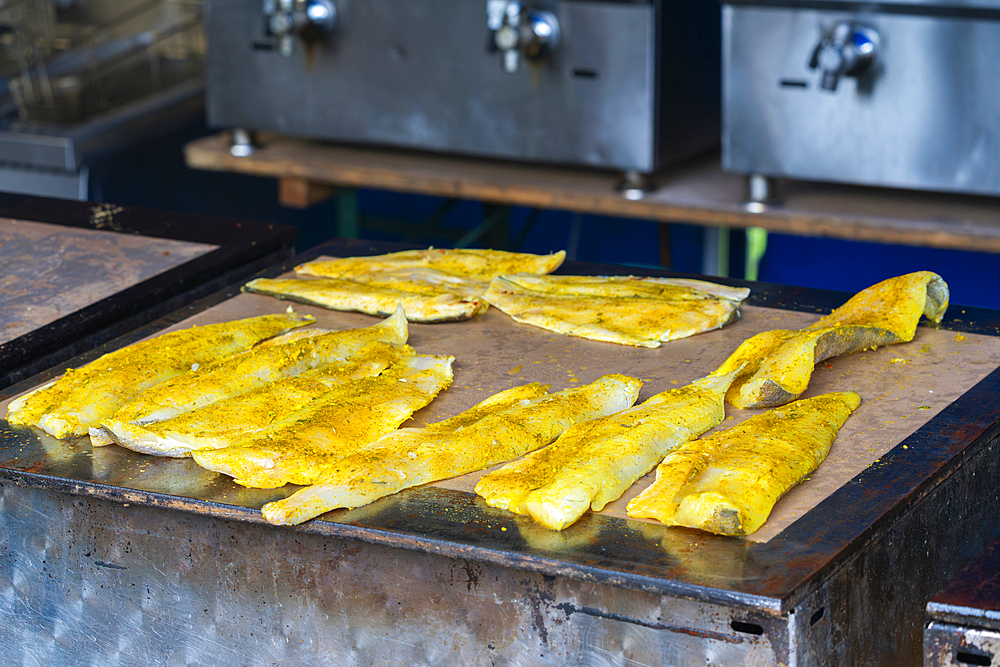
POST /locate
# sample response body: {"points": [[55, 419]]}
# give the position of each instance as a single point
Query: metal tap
{"points": [[520, 30], [846, 49], [309, 19]]}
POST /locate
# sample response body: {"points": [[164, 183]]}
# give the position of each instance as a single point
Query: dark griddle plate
{"points": [[244, 247]]}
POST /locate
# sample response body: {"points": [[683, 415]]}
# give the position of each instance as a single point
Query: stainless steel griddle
{"points": [[114, 556]]}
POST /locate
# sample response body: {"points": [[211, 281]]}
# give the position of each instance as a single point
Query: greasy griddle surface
{"points": [[901, 386], [49, 271]]}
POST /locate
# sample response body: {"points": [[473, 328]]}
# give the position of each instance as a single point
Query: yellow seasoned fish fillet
{"points": [[629, 310], [256, 368], [425, 280], [501, 428], [231, 420], [82, 397], [778, 364], [427, 305], [594, 462], [728, 482], [472, 263], [298, 448]]}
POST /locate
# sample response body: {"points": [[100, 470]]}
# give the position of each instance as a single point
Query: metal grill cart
{"points": [[75, 275], [114, 558], [964, 618]]}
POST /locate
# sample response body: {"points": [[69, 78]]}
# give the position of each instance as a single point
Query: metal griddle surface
{"points": [[922, 405]]}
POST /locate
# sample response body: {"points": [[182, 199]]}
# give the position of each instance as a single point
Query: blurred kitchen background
{"points": [[98, 99]]}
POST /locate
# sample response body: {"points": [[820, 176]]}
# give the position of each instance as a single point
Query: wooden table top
{"points": [[695, 192]]}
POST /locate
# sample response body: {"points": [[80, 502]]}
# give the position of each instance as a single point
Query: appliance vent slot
{"points": [[747, 628], [968, 658]]}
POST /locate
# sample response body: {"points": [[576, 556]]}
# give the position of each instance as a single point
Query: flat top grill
{"points": [[927, 406]]}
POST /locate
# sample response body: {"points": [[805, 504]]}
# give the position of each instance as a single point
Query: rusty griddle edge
{"points": [[774, 576]]}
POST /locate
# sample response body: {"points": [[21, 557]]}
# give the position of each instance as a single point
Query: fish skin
{"points": [[675, 289], [425, 280], [502, 427], [778, 364], [299, 447], [729, 482], [593, 463], [229, 420], [644, 312], [78, 399], [256, 368], [371, 299], [467, 262]]}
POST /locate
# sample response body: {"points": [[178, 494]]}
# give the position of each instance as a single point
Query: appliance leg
{"points": [[244, 142], [715, 252], [634, 185], [762, 192]]}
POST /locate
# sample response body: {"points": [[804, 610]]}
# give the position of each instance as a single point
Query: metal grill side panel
{"points": [[91, 582]]}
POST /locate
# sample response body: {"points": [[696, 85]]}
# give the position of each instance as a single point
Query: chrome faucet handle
{"points": [[518, 30], [847, 49], [308, 19]]}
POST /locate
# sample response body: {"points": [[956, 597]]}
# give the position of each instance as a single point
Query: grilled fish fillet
{"points": [[778, 364], [375, 298], [82, 397], [471, 263], [298, 448], [593, 463], [728, 482], [501, 428], [425, 280], [231, 420], [253, 369], [630, 310]]}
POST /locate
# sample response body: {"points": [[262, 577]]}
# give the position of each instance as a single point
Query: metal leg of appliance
{"points": [[635, 184], [715, 252], [762, 191], [348, 225], [244, 142]]}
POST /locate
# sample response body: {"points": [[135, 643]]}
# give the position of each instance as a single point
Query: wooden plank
{"points": [[295, 192], [697, 192]]}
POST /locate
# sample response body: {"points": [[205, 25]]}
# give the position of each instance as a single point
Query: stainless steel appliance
{"points": [[900, 94], [627, 85], [86, 79]]}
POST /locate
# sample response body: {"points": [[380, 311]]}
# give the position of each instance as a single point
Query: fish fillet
{"points": [[231, 420], [728, 482], [472, 263], [593, 463], [298, 448], [778, 364], [501, 428], [629, 310], [427, 305], [255, 368], [82, 397], [425, 280]]}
